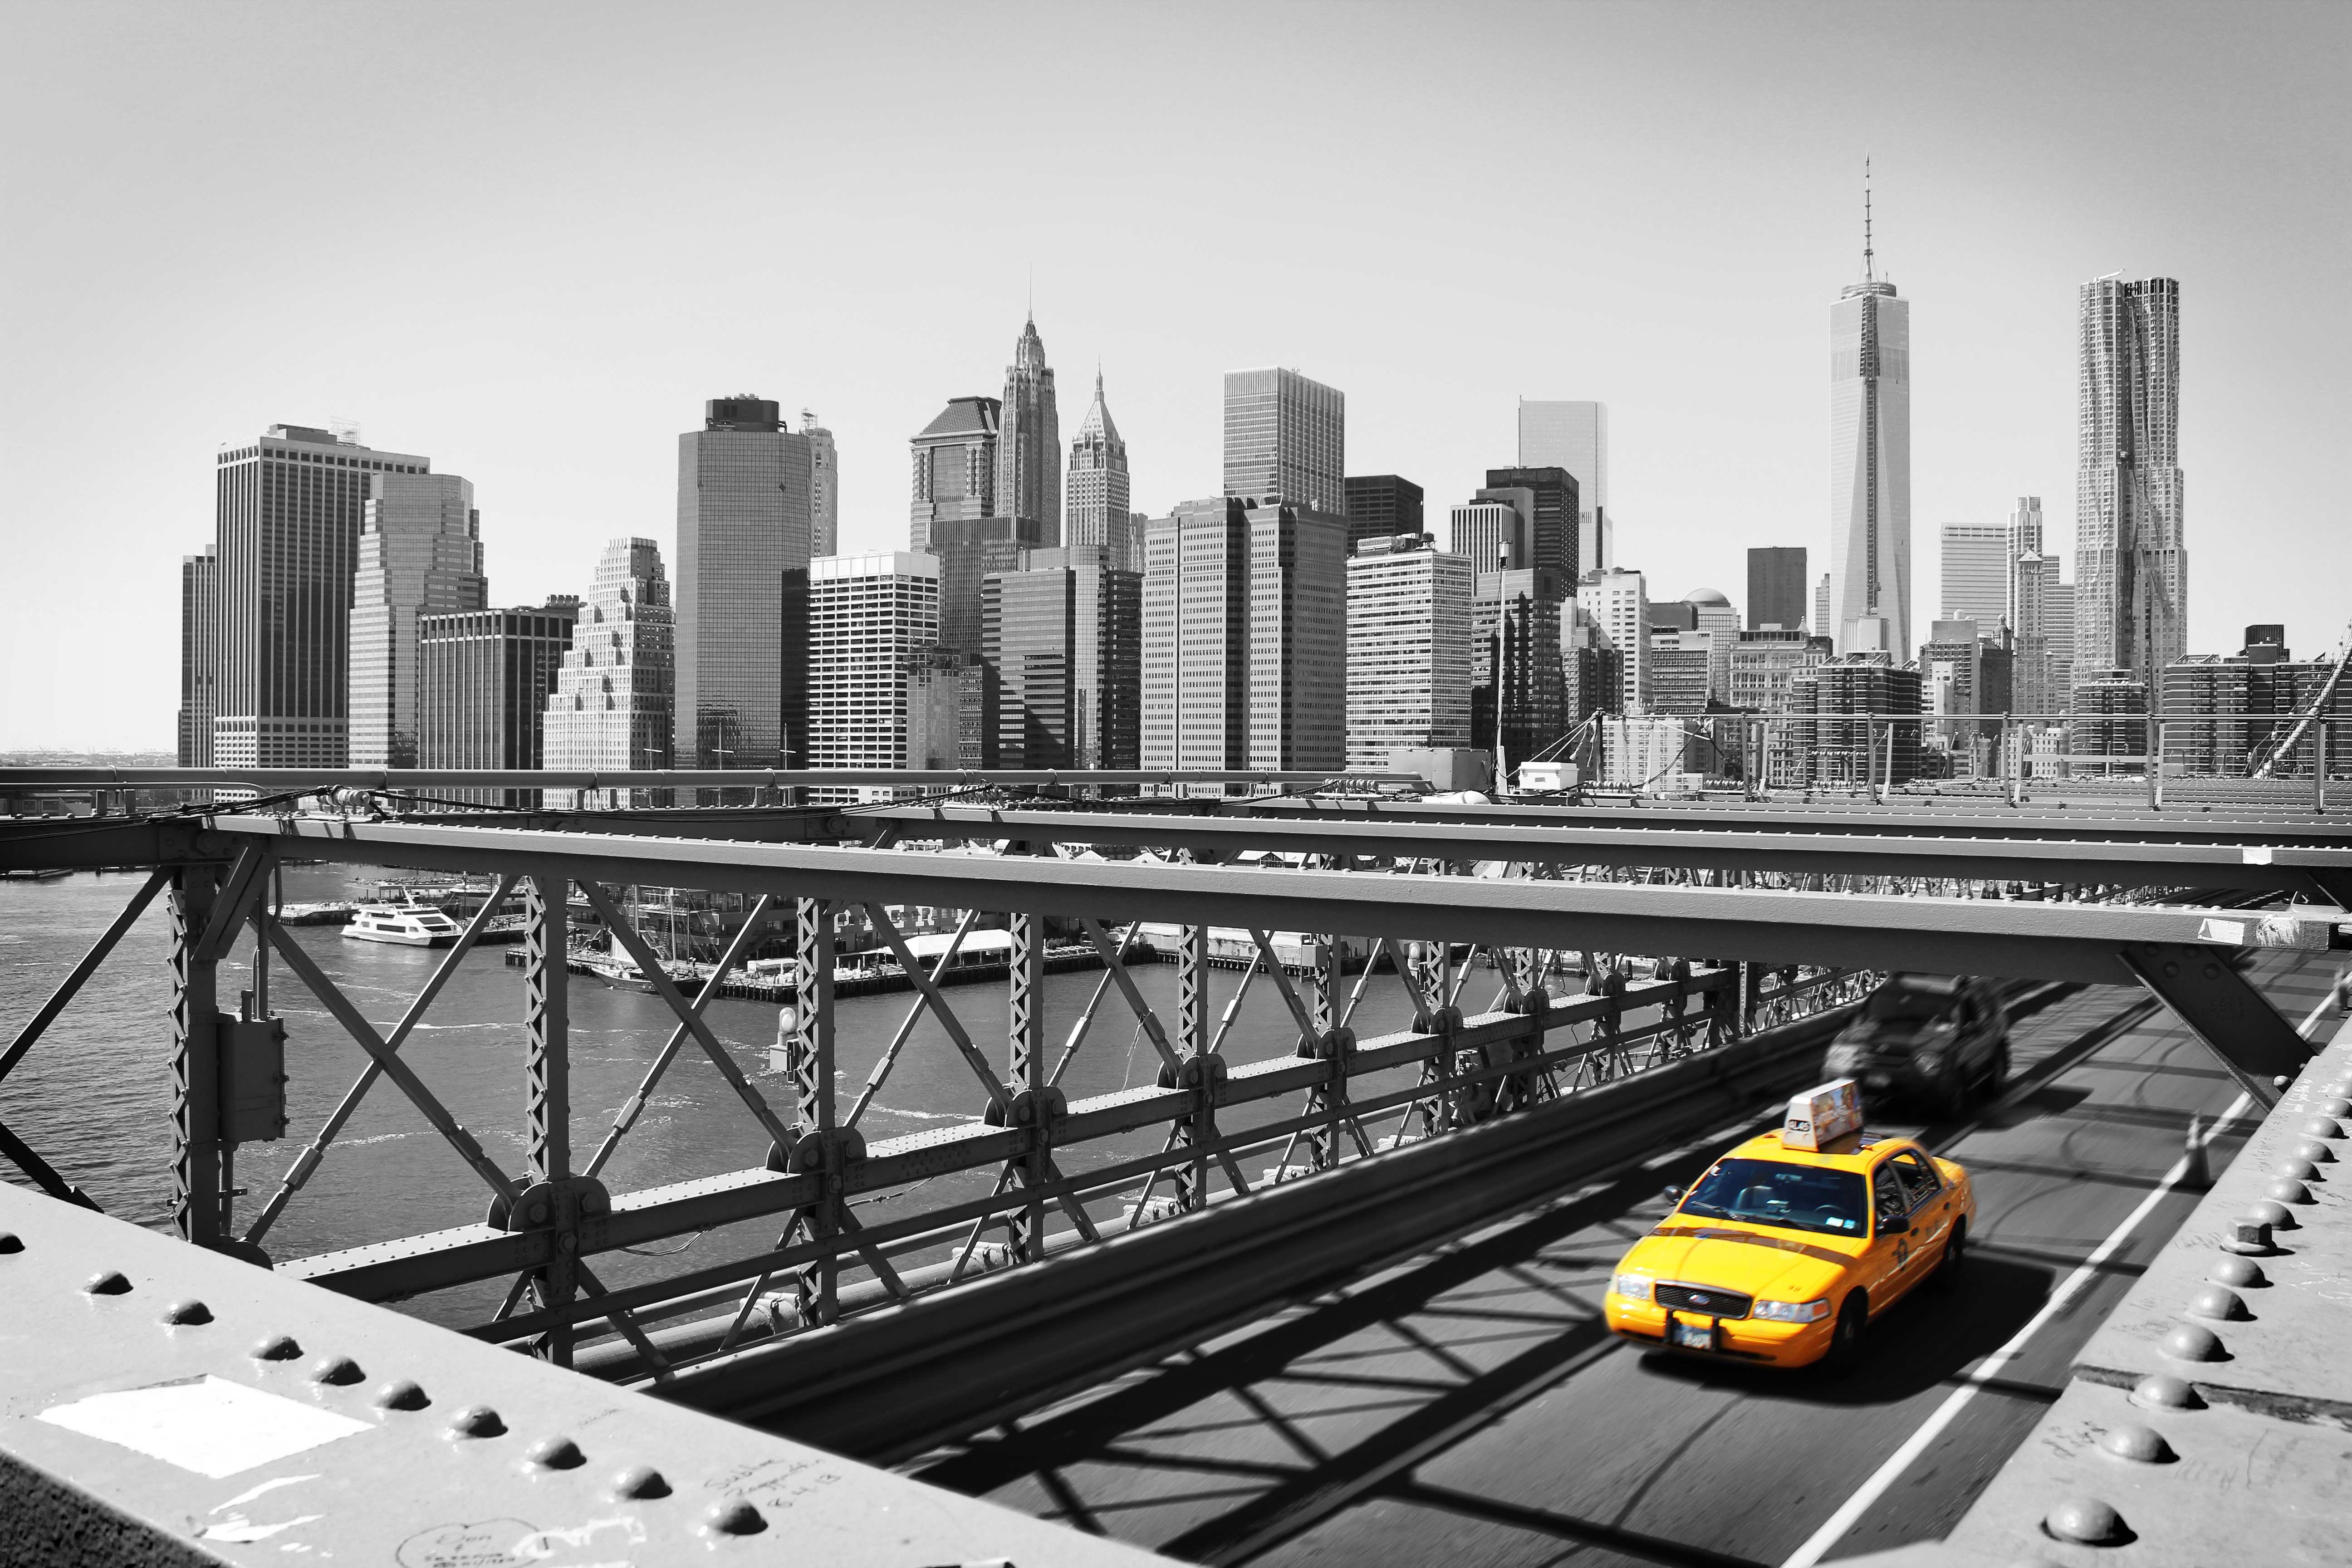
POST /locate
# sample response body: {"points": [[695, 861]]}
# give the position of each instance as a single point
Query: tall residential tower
{"points": [[1286, 440], [1029, 441], [2131, 563]]}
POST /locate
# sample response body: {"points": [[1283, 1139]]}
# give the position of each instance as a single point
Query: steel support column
{"points": [[1192, 1178], [1026, 1076], [817, 1284], [546, 950], [2221, 1008], [199, 1206]]}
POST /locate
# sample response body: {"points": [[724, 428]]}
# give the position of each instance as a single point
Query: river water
{"points": [[94, 1096]]}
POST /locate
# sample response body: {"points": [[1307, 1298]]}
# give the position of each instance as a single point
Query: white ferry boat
{"points": [[409, 925]]}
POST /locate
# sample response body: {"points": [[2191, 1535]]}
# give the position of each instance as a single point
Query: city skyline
{"points": [[1710, 462]]}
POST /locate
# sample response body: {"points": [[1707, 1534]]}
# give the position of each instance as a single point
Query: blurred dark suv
{"points": [[1929, 1038]]}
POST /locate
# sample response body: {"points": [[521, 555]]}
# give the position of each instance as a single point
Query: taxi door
{"points": [[1887, 1266]]}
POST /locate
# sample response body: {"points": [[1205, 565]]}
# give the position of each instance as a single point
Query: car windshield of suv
{"points": [[1766, 1192], [1892, 1002]]}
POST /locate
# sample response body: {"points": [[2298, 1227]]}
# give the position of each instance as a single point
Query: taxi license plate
{"points": [[1690, 1336]]}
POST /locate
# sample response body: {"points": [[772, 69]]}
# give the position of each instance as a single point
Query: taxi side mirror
{"points": [[1894, 1225], [1674, 1194]]}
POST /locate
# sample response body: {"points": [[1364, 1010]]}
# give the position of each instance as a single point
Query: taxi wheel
{"points": [[1845, 1340], [1954, 1256]]}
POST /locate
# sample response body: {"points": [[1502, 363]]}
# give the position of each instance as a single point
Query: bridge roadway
{"points": [[1467, 1407]]}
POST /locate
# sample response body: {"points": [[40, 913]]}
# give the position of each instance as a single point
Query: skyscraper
{"points": [[615, 694], [1776, 587], [955, 468], [1821, 608], [824, 486], [1554, 502], [743, 537], [1409, 653], [1976, 574], [871, 617], [1618, 603], [2131, 562], [2032, 609], [199, 655], [1245, 638], [1870, 466], [1491, 532], [420, 554], [1029, 441], [484, 678], [1518, 694], [1574, 436], [1062, 643], [1286, 440], [1381, 506], [288, 509], [1097, 517]]}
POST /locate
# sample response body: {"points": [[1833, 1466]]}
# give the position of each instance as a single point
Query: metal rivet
{"points": [[2165, 1391], [2239, 1271], [2271, 1213], [107, 1282], [733, 1517], [190, 1310], [11, 1242], [2298, 1170], [400, 1395], [639, 1481], [2141, 1445], [2083, 1518], [2190, 1343], [537, 1212], [2316, 1151], [2322, 1127], [556, 1454], [336, 1370], [2217, 1302], [2287, 1192], [476, 1421], [2337, 1106], [277, 1347]]}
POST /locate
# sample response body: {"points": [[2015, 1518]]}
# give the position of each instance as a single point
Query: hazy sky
{"points": [[529, 240]]}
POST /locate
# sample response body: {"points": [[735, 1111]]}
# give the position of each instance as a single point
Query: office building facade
{"points": [[1029, 441], [1245, 638], [743, 539], [824, 486], [1098, 493], [1286, 440], [1592, 674], [955, 468], [1831, 740], [2131, 561], [1491, 531], [1063, 649], [1574, 436], [1617, 602], [1518, 703], [615, 697], [1765, 663], [1410, 667], [1553, 502], [1381, 506], [199, 655], [288, 510], [1870, 471], [872, 620], [1776, 588], [420, 554], [483, 680]]}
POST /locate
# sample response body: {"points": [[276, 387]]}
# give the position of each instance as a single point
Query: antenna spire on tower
{"points": [[1867, 275]]}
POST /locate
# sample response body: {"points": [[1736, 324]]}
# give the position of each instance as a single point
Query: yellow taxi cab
{"points": [[1789, 1245]]}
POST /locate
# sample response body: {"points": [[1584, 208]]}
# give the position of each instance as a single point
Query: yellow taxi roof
{"points": [[1855, 1152]]}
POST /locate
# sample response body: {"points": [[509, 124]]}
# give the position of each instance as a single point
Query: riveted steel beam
{"points": [[2222, 1009]]}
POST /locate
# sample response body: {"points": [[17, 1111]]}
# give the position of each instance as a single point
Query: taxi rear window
{"points": [[1796, 1197]]}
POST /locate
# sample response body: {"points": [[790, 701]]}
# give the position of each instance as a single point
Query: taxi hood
{"points": [[1759, 1260]]}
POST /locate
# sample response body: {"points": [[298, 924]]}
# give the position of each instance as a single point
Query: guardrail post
{"points": [[1027, 1079], [2319, 765], [2152, 738], [1192, 1045], [1324, 1100], [547, 1016], [199, 1206], [816, 1284]]}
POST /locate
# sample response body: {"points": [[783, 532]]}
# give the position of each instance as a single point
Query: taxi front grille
{"points": [[1705, 1299]]}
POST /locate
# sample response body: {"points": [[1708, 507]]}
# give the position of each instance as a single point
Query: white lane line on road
{"points": [[2316, 1012], [1834, 1529]]}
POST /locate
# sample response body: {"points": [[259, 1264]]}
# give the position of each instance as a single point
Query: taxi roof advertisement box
{"points": [[1822, 1115]]}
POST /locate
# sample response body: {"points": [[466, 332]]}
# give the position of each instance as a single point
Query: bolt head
{"points": [[2240, 1272], [338, 1369], [555, 1454], [2087, 1520], [2217, 1302], [733, 1516], [2141, 1445], [277, 1347], [2298, 1170], [2322, 1127], [106, 1282], [2162, 1391], [2271, 1213], [2285, 1191], [2191, 1342], [639, 1481], [2316, 1151], [187, 1311], [10, 1242], [537, 1212], [476, 1421], [401, 1395], [2335, 1106]]}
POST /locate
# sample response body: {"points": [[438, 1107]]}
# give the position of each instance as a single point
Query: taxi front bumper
{"points": [[1736, 1339]]}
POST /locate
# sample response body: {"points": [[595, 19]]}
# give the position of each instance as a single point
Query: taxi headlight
{"points": [[1794, 1311], [1632, 1286]]}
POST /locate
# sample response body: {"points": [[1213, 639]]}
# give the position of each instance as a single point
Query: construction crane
{"points": [[2319, 706]]}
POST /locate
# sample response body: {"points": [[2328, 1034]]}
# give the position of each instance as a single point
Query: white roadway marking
{"points": [[1833, 1530]]}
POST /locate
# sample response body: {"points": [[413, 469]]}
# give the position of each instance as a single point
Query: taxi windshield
{"points": [[1766, 1192]]}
